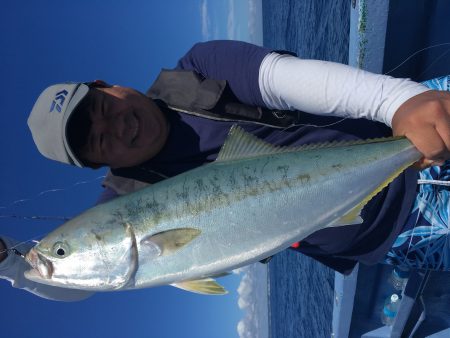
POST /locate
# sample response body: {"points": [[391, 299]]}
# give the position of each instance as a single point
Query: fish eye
{"points": [[60, 250]]}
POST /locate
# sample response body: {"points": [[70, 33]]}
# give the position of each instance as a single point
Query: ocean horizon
{"points": [[292, 296]]}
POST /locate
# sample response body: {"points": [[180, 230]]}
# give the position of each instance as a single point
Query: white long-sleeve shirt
{"points": [[328, 88]]}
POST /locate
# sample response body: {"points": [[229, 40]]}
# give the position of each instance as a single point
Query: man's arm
{"points": [[321, 87], [13, 266], [410, 108]]}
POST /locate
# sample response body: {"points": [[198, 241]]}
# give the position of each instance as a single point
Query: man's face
{"points": [[127, 128]]}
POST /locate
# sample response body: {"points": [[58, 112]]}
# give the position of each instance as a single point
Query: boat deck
{"points": [[383, 34]]}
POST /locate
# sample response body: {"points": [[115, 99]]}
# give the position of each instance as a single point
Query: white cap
{"points": [[49, 117]]}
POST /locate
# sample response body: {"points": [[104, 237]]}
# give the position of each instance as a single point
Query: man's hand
{"points": [[3, 253], [425, 120]]}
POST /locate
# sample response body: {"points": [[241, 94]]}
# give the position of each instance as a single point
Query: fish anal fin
{"points": [[206, 286], [167, 242], [352, 217]]}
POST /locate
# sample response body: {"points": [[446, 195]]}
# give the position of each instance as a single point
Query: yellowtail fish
{"points": [[252, 202]]}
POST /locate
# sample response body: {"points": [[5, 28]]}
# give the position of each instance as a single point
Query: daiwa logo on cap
{"points": [[58, 101]]}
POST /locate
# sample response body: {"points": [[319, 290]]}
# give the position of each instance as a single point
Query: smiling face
{"points": [[126, 128]]}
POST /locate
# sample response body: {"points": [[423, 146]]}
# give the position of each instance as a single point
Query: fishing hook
{"points": [[16, 252]]}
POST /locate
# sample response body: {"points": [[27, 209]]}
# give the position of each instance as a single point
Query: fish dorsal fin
{"points": [[240, 144], [206, 286], [353, 216], [166, 242]]}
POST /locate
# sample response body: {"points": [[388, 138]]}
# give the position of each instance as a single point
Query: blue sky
{"points": [[122, 42]]}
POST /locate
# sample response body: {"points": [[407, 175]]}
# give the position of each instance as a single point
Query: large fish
{"points": [[252, 202]]}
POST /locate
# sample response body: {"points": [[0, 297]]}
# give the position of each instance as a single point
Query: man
{"points": [[186, 115]]}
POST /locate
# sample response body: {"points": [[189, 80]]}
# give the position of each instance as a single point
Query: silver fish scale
{"points": [[250, 209]]}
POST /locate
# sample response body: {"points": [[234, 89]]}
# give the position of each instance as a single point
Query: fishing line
{"points": [[315, 125], [17, 252], [39, 218], [42, 193], [435, 61], [417, 52]]}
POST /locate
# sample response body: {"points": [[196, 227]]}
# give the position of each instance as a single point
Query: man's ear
{"points": [[95, 165], [100, 84]]}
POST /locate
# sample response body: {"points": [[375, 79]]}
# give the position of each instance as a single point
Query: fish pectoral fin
{"points": [[206, 286], [167, 242], [130, 259]]}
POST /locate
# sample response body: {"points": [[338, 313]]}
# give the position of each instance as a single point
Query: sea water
{"points": [[301, 289]]}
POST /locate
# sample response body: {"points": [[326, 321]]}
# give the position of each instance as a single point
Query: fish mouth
{"points": [[42, 267]]}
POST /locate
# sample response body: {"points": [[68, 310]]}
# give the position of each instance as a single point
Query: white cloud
{"points": [[206, 21], [255, 21], [242, 20], [253, 300], [231, 29]]}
